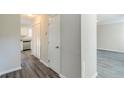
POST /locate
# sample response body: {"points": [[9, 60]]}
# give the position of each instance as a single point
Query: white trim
{"points": [[119, 51], [83, 72], [62, 76], [11, 70], [110, 22], [45, 63], [82, 50], [95, 75]]}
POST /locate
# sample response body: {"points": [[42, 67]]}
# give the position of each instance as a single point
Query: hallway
{"points": [[54, 39], [31, 68]]}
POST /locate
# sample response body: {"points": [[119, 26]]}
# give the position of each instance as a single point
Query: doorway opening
{"points": [[26, 34], [110, 46]]}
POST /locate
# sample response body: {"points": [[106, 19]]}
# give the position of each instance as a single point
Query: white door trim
{"points": [[88, 52]]}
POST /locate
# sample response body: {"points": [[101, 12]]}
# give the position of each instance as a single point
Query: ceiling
{"points": [[110, 18], [26, 19], [101, 19]]}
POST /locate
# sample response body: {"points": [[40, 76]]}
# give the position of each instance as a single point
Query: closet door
{"points": [[33, 41], [54, 42], [36, 40]]}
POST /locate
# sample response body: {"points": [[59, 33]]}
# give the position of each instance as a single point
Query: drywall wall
{"points": [[44, 38], [26, 30], [111, 37], [88, 42], [9, 43], [71, 45]]}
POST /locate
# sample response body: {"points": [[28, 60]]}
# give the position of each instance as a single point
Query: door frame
{"points": [[88, 37]]}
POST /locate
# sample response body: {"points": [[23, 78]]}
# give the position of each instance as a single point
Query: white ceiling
{"points": [[101, 19], [27, 20], [110, 18]]}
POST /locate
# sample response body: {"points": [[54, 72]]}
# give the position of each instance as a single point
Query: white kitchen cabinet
{"points": [[25, 45]]}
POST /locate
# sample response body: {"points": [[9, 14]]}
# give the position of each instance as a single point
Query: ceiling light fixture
{"points": [[30, 15]]}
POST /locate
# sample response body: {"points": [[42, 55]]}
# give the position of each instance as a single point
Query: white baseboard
{"points": [[95, 75], [62, 76], [45, 63], [118, 51], [11, 70]]}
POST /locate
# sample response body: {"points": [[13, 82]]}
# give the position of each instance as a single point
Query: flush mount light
{"points": [[30, 15]]}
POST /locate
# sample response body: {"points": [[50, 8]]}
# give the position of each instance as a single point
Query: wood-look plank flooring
{"points": [[110, 64], [31, 68]]}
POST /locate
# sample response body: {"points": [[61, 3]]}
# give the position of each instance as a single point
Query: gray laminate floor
{"points": [[110, 64], [31, 68]]}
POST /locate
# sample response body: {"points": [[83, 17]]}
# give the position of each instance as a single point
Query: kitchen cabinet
{"points": [[25, 45]]}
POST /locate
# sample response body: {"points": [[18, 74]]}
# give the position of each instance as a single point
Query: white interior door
{"points": [[36, 40], [54, 42]]}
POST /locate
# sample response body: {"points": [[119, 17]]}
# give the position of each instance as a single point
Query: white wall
{"points": [[24, 31], [89, 64], [111, 37], [44, 38], [9, 43], [71, 45]]}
